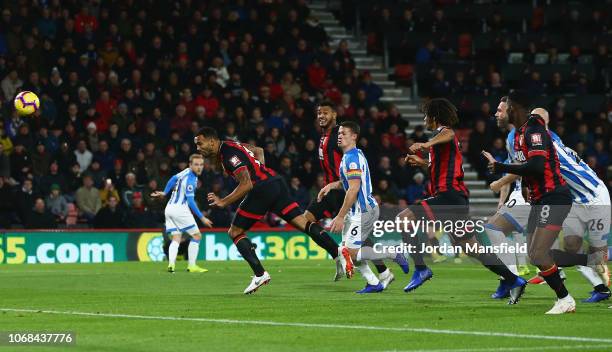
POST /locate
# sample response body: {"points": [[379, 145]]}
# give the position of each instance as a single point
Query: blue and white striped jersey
{"points": [[582, 180], [355, 166], [185, 186], [513, 159]]}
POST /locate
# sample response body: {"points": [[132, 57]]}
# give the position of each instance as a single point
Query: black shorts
{"points": [[550, 211], [328, 206], [269, 196], [449, 205]]}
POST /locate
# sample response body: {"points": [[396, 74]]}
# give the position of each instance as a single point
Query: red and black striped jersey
{"points": [[330, 155], [533, 139], [446, 167], [235, 157]]}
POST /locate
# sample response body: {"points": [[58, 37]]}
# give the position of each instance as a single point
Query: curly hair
{"points": [[441, 110]]}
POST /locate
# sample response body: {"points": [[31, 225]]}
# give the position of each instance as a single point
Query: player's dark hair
{"points": [[521, 98], [441, 110], [353, 126], [208, 132], [504, 99], [327, 103]]}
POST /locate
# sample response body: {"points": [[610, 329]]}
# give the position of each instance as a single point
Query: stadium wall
{"points": [[87, 246]]}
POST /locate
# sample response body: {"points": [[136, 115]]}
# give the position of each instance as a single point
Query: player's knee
{"points": [[500, 223], [234, 232], [197, 236], [309, 216], [572, 244]]}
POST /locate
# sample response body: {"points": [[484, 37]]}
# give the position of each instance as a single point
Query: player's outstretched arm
{"points": [[167, 189], [244, 186], [323, 192], [534, 166], [445, 136], [498, 185]]}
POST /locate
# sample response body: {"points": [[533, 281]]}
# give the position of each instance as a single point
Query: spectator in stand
{"points": [[39, 217], [372, 90], [140, 217], [111, 216], [298, 192], [108, 191], [480, 140], [582, 135], [41, 159], [57, 204], [428, 53], [7, 203], [418, 135], [386, 194], [416, 191], [88, 199], [21, 163], [5, 163], [24, 199], [127, 192], [83, 155]]}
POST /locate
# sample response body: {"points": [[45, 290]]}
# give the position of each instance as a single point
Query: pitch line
{"points": [[314, 325], [509, 349]]}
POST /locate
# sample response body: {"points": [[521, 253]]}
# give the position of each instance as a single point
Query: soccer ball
{"points": [[26, 103]]}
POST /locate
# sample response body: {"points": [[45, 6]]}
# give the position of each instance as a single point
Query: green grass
{"points": [[301, 291]]}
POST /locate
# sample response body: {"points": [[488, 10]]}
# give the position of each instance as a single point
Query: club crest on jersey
{"points": [[235, 161], [189, 188], [536, 139]]}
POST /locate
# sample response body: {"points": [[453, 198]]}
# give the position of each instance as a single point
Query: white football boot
{"points": [[563, 305], [257, 282]]}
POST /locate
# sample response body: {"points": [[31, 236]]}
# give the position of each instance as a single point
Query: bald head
{"points": [[542, 112]]}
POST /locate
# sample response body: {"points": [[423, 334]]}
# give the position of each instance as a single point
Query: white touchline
{"points": [[509, 349], [314, 325]]}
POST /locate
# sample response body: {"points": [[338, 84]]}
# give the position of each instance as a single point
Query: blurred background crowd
{"points": [[124, 85]]}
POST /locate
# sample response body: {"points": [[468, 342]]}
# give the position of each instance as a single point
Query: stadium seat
{"points": [[73, 214], [465, 46], [404, 73]]}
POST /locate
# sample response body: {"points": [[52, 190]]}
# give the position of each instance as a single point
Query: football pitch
{"points": [[138, 306]]}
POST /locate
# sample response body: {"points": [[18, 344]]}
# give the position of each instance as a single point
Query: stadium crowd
{"points": [[124, 87], [474, 52]]}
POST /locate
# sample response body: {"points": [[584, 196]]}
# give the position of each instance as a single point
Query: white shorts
{"points": [[358, 227], [516, 211], [179, 220], [592, 218]]}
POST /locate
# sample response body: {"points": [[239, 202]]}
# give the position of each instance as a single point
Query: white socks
{"points": [[590, 275], [520, 238], [192, 251], [368, 253], [497, 237], [367, 273], [172, 252]]}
